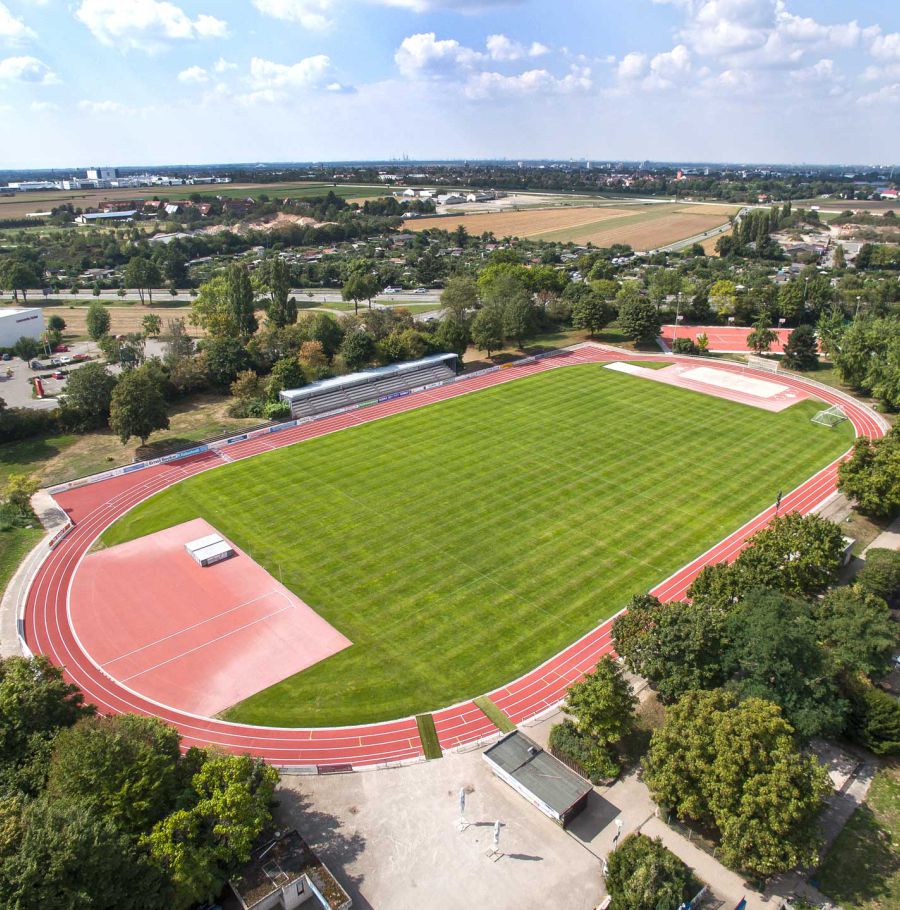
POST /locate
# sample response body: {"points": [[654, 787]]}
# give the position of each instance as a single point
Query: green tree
{"points": [[676, 646], [830, 330], [123, 767], [874, 718], [224, 358], [857, 630], [18, 490], [360, 283], [358, 349], [282, 309], [797, 554], [762, 337], [97, 320], [643, 875], [69, 858], [869, 358], [519, 315], [589, 310], [35, 703], [839, 260], [203, 844], [18, 275], [239, 300], [142, 274], [774, 654], [871, 476], [487, 329], [639, 320], [881, 574], [151, 325], [602, 703], [137, 408], [460, 296], [328, 332], [452, 336], [735, 767], [56, 323], [801, 350], [286, 374], [88, 396]]}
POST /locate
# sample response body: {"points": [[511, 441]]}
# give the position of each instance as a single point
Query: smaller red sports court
{"points": [[730, 339], [195, 638]]}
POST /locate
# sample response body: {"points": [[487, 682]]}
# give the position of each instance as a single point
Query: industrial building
{"points": [[19, 322]]}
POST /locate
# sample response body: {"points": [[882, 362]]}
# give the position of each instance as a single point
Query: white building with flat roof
{"points": [[18, 322]]}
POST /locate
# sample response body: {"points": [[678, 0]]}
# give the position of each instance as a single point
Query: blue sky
{"points": [[161, 81]]}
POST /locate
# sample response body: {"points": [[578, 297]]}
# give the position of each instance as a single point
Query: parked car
{"points": [[65, 360], [392, 290], [7, 356], [58, 375], [420, 291], [60, 349]]}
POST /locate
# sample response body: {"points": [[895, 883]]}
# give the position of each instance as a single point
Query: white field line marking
{"points": [[205, 644], [195, 625]]}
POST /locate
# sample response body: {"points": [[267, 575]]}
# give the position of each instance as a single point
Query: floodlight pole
{"points": [[856, 314]]}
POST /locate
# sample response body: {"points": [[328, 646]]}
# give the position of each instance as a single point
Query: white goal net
{"points": [[762, 363], [830, 417]]}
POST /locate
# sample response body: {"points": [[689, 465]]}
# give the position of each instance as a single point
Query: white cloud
{"points": [[26, 69], [13, 29], [40, 107], [671, 66], [887, 94], [270, 78], [501, 48], [223, 66], [530, 82], [632, 66], [193, 74], [103, 107], [311, 14], [460, 6], [145, 24], [424, 56], [886, 47]]}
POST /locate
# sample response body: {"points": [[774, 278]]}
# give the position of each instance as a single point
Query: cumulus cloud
{"points": [[145, 24], [26, 69], [44, 107], [886, 47], [531, 82], [632, 66], [102, 107], [194, 74], [12, 28], [460, 6], [425, 56], [311, 14], [269, 79], [501, 48], [223, 66]]}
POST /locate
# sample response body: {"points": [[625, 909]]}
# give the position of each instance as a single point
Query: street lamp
{"points": [[857, 307]]}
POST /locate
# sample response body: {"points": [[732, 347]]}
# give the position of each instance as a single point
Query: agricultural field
{"points": [[22, 204], [123, 318], [644, 226], [460, 544]]}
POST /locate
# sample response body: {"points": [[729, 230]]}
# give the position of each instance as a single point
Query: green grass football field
{"points": [[459, 545]]}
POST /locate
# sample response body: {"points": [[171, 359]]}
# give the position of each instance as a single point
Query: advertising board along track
{"points": [[95, 503]]}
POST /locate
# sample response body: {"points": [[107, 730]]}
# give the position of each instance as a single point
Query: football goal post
{"points": [[830, 417], [762, 363]]}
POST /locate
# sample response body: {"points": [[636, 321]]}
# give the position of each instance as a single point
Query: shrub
{"points": [[644, 875], [881, 574], [596, 763], [874, 719], [684, 346], [277, 410]]}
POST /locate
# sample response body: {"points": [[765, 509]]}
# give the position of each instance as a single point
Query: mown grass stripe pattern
{"points": [[459, 545]]}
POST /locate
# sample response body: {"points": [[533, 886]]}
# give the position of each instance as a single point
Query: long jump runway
{"points": [[49, 629]]}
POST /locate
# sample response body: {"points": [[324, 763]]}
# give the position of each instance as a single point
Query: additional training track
{"points": [[95, 506]]}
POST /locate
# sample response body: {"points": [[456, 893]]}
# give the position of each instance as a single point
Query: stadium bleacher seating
{"points": [[370, 385]]}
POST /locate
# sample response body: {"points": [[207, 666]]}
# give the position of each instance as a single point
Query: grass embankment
{"points": [[862, 869], [55, 459], [14, 544], [494, 714], [431, 745], [459, 545]]}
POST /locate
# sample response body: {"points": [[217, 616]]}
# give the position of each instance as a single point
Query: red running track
{"points": [[95, 506]]}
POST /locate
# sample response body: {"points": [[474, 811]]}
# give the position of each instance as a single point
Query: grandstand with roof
{"points": [[369, 386]]}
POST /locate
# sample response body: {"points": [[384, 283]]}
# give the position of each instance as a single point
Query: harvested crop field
{"points": [[644, 227], [123, 319]]}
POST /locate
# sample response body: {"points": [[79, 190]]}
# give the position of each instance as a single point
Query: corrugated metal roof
{"points": [[364, 376]]}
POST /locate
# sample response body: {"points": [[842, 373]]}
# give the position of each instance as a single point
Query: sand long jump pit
{"points": [[195, 638]]}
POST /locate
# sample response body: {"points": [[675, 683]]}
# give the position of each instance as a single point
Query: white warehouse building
{"points": [[16, 322]]}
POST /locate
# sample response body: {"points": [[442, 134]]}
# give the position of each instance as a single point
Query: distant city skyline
{"points": [[155, 82]]}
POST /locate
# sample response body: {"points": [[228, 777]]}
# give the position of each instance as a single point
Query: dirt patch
{"points": [[123, 319]]}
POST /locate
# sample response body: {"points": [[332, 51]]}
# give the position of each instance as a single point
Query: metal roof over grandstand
{"points": [[364, 377]]}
